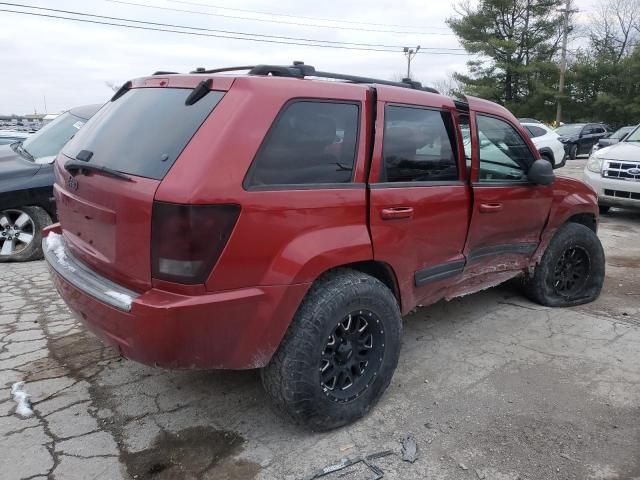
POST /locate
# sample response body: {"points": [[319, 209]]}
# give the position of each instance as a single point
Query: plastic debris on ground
{"points": [[409, 449], [22, 399]]}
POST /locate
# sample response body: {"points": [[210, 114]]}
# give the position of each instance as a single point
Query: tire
{"points": [[604, 209], [573, 152], [16, 224], [563, 162], [338, 303], [571, 271]]}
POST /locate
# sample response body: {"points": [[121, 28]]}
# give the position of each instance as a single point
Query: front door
{"points": [[419, 199], [509, 212]]}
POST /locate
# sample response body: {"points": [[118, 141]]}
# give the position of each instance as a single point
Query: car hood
{"points": [[12, 165], [624, 151]]}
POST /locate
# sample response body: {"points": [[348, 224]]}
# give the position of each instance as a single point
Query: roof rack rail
{"points": [[300, 70], [163, 72], [220, 70]]}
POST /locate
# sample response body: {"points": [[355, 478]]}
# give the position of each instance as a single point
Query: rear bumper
{"points": [[236, 329]]}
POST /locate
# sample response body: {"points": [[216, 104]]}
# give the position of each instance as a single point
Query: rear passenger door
{"points": [[419, 201]]}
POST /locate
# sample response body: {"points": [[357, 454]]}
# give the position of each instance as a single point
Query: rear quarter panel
{"points": [[284, 235]]}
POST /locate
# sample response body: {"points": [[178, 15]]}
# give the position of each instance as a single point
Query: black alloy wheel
{"points": [[352, 356], [571, 272]]}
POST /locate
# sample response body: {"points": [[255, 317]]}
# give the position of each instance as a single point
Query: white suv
{"points": [[546, 141], [615, 173]]}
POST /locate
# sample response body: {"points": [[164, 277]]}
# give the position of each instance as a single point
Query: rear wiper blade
{"points": [[74, 167]]}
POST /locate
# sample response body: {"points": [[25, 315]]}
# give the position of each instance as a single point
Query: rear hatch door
{"points": [[128, 147]]}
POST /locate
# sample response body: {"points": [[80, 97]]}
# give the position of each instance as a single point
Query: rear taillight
{"points": [[186, 240]]}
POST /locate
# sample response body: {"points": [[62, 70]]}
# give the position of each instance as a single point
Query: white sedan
{"points": [[547, 143]]}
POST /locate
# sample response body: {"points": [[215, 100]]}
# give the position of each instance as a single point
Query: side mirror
{"points": [[541, 173]]}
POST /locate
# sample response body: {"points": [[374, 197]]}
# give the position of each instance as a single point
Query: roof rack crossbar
{"points": [[300, 70], [220, 70]]}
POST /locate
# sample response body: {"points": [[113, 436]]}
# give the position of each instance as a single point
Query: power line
{"points": [[157, 7], [258, 40], [258, 12], [226, 32]]}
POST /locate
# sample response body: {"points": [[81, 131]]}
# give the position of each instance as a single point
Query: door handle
{"points": [[394, 213], [490, 207]]}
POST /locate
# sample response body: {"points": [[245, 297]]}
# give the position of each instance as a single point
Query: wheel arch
{"points": [[547, 152], [380, 270], [589, 220]]}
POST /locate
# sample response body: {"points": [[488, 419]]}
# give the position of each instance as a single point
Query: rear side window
{"points": [[418, 145], [310, 142], [535, 132], [143, 132]]}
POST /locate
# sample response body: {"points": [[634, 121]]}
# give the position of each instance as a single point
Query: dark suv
{"points": [[268, 220], [579, 138], [26, 184]]}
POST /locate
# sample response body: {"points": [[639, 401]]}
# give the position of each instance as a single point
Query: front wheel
{"points": [[339, 354], [573, 152], [571, 271], [21, 233]]}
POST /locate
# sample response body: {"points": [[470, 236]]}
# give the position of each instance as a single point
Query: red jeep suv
{"points": [[277, 220]]}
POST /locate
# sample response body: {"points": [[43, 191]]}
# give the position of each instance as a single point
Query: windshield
{"points": [[49, 140], [567, 130], [621, 132], [635, 136]]}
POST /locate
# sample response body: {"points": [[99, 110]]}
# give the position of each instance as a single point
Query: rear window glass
{"points": [[143, 132], [310, 143], [535, 132]]}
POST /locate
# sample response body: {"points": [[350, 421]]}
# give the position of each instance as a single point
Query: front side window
{"points": [[418, 145], [311, 142], [504, 155]]}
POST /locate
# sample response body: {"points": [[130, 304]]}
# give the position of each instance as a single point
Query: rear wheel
{"points": [[339, 353], [604, 208], [21, 233], [571, 271]]}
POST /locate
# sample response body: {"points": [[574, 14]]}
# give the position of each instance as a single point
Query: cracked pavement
{"points": [[490, 386]]}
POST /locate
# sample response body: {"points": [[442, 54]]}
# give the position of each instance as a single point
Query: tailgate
{"points": [[107, 224]]}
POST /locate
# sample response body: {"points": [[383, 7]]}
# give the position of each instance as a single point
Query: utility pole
{"points": [[410, 53], [567, 11]]}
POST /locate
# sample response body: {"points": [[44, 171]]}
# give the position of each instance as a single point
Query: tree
{"points": [[614, 29], [603, 79], [518, 40]]}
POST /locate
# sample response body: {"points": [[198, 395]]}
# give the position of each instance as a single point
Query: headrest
{"points": [[316, 129]]}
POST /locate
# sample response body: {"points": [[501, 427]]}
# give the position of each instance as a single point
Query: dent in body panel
{"points": [[570, 197]]}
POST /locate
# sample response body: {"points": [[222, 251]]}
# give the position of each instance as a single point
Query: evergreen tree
{"points": [[518, 40]]}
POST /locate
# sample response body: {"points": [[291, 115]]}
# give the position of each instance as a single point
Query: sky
{"points": [[62, 63]]}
